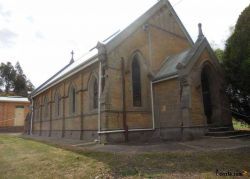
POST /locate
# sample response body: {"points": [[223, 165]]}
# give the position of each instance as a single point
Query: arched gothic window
{"points": [[136, 81], [72, 100], [57, 104], [95, 94]]}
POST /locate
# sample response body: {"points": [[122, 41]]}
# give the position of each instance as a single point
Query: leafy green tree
{"points": [[236, 63], [14, 80], [1, 83], [29, 85], [219, 53], [8, 74], [20, 86]]}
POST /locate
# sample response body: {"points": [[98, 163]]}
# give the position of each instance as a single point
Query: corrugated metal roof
{"points": [[14, 99]]}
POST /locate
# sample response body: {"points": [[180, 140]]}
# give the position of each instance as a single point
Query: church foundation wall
{"points": [[45, 133], [185, 133], [133, 136], [72, 134], [157, 135], [56, 133], [194, 133], [90, 135]]}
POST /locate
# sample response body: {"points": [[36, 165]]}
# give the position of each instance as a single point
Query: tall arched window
{"points": [[72, 99], [95, 94], [57, 104], [136, 81]]}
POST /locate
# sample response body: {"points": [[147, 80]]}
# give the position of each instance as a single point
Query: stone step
{"points": [[223, 133], [217, 129], [234, 136]]}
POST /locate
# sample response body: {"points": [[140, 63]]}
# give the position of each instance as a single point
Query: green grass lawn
{"points": [[22, 158]]}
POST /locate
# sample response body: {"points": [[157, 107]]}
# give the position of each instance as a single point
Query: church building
{"points": [[147, 82]]}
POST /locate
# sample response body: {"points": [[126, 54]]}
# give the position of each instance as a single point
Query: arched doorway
{"points": [[206, 93]]}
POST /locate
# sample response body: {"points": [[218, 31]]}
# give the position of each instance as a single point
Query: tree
{"points": [[219, 53], [1, 83], [236, 63], [7, 73], [12, 79], [20, 83], [29, 85]]}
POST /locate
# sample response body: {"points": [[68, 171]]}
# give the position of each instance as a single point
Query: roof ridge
{"points": [[194, 49]]}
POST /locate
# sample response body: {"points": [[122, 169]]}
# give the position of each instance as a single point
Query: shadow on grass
{"points": [[167, 163]]}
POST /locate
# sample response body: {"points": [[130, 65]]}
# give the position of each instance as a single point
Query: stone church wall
{"points": [[168, 109], [82, 124], [217, 96], [161, 38]]}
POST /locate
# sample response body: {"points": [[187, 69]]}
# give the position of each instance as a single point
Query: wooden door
{"points": [[19, 116]]}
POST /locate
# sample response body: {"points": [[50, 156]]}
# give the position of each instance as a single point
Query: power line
{"points": [[177, 3]]}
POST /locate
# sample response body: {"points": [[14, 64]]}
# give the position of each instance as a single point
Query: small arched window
{"points": [[136, 81], [95, 94], [57, 104], [72, 99]]}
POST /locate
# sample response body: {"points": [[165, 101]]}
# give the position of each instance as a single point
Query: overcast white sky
{"points": [[40, 34]]}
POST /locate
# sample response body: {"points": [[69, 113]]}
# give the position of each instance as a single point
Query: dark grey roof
{"points": [[169, 66]]}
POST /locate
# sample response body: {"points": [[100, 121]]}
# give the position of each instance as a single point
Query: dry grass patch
{"points": [[21, 158]]}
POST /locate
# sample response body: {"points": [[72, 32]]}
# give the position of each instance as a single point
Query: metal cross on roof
{"points": [[200, 36], [72, 57]]}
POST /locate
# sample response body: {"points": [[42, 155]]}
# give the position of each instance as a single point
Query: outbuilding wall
{"points": [[7, 115]]}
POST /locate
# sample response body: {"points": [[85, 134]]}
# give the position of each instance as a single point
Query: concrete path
{"points": [[204, 144]]}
